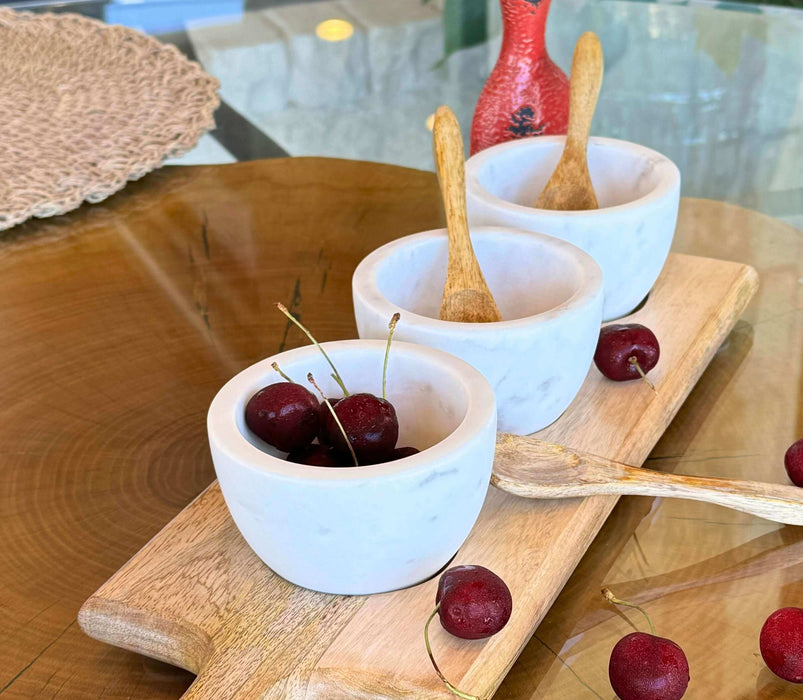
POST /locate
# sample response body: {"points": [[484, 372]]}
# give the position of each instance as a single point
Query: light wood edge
{"points": [[172, 641]]}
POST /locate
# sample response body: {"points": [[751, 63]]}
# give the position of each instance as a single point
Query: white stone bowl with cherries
{"points": [[637, 189], [549, 294], [371, 528]]}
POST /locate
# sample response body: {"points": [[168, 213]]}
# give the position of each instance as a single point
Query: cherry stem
{"points": [[334, 415], [298, 323], [392, 326], [611, 598], [633, 361], [452, 688], [275, 366]]}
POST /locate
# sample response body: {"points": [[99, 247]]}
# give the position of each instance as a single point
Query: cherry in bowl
{"points": [[376, 527]]}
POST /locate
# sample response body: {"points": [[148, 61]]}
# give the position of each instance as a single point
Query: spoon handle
{"points": [[534, 469], [586, 81], [449, 159]]}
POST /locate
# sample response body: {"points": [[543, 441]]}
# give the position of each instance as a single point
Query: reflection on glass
{"points": [[717, 91], [334, 30]]}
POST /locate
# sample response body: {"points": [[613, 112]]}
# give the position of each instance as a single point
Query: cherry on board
{"points": [[626, 351], [472, 602]]}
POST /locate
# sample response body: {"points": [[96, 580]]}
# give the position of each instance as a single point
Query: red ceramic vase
{"points": [[526, 93]]}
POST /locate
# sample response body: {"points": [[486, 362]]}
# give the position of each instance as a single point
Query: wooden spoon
{"points": [[570, 188], [532, 468], [466, 296]]}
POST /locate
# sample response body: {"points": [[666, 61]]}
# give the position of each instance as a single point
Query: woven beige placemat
{"points": [[85, 107]]}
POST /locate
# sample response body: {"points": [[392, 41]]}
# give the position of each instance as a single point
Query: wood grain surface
{"points": [[121, 320], [120, 323]]}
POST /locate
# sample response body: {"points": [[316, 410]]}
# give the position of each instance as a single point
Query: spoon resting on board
{"points": [[466, 296], [570, 188], [531, 468]]}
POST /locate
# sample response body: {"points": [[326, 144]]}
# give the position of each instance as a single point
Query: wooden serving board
{"points": [[197, 597]]}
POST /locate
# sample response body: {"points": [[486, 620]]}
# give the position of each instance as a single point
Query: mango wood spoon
{"points": [[532, 468], [570, 188], [466, 296]]}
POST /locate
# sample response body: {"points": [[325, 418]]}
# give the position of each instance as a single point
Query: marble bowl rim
{"points": [[364, 283], [669, 181], [222, 429]]}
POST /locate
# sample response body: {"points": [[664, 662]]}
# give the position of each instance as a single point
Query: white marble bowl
{"points": [[638, 190], [549, 293], [364, 529]]}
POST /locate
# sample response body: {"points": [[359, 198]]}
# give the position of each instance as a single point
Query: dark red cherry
{"points": [[284, 415], [781, 644], [369, 422], [618, 343], [646, 667], [402, 452], [317, 456], [474, 602], [793, 461]]}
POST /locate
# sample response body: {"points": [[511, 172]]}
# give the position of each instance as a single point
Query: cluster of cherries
{"points": [[354, 430]]}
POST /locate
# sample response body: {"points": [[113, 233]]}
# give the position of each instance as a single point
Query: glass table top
{"points": [[716, 87]]}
